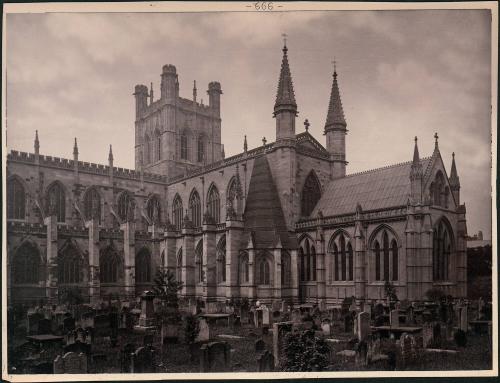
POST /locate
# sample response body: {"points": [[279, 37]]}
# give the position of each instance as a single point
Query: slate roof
{"points": [[264, 219], [374, 189]]}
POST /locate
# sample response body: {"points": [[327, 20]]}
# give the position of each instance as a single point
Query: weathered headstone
{"points": [[266, 317], [326, 327], [260, 345], [284, 306], [394, 318], [363, 323], [215, 357], [244, 314], [70, 363], [204, 331], [279, 331], [265, 362], [427, 335], [464, 324], [142, 360]]}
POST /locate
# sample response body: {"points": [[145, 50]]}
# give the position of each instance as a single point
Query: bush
{"points": [[303, 351]]}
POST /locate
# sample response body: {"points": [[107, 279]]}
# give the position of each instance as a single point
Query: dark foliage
{"points": [[303, 351]]}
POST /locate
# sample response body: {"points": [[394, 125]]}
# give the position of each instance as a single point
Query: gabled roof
{"points": [[264, 219], [307, 140], [373, 189]]}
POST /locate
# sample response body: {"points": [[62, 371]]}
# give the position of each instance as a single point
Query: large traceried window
{"points": [[198, 260], [221, 260], [385, 260], [441, 251], [201, 148], [109, 265], [56, 202], [26, 264], [143, 266], [92, 205], [264, 269], [213, 203], [195, 208], [125, 204], [184, 146], [311, 193], [307, 253], [244, 268], [16, 199], [69, 265], [177, 212], [154, 210], [342, 260]]}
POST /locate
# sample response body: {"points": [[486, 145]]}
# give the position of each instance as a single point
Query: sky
{"points": [[401, 74]]}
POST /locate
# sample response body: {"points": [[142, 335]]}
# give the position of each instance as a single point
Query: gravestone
{"points": [[361, 354], [215, 357], [265, 362], [410, 315], [44, 326], [260, 345], [348, 323], [87, 319], [70, 363], [280, 330], [405, 344], [363, 324], [169, 332], [126, 357], [296, 316], [142, 360], [79, 348], [244, 314], [275, 306], [326, 327], [427, 335], [284, 306], [258, 318], [204, 333], [266, 317], [464, 324], [394, 318], [146, 318]]}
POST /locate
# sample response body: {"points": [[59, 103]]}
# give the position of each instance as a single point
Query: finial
{"points": [[334, 63], [194, 91], [453, 155], [223, 153], [245, 145], [110, 156], [264, 141], [75, 147], [436, 137], [306, 124], [284, 35], [37, 143], [416, 139]]}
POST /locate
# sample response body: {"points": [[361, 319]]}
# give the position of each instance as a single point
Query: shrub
{"points": [[303, 351]]}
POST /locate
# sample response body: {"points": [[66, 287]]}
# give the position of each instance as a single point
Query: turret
{"points": [[454, 181], [416, 176], [214, 91], [335, 127], [169, 83], [285, 107], [141, 100]]}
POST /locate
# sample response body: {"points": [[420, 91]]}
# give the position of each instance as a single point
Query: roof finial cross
{"points": [[264, 141], [436, 137], [284, 35], [334, 63], [307, 124], [416, 139]]}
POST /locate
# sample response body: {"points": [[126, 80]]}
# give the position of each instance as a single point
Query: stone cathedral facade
{"points": [[282, 221]]}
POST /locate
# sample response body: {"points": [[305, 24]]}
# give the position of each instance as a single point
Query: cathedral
{"points": [[280, 222]]}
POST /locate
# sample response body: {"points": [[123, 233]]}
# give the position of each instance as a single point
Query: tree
{"points": [[166, 288], [304, 351]]}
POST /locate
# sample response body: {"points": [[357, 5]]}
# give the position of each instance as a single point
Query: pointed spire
{"points": [[285, 97], [335, 116], [416, 166], [75, 149], [110, 156], [37, 143], [454, 179], [245, 145], [223, 153], [151, 94], [194, 91]]}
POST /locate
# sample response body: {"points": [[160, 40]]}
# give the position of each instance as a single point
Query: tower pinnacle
{"points": [[110, 156], [285, 97], [416, 166], [37, 143], [335, 117], [75, 148], [454, 180]]}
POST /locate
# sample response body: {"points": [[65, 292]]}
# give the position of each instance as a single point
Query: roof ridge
{"points": [[385, 167]]}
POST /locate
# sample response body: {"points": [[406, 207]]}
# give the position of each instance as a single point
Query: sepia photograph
{"points": [[249, 190]]}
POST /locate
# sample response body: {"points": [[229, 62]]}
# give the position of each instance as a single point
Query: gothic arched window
{"points": [[264, 272], [307, 255], [201, 149], [350, 262], [109, 265], [56, 202], [335, 261], [177, 212], [244, 268], [302, 264], [385, 262], [439, 191], [179, 266], [213, 203], [195, 208], [69, 266], [26, 264], [198, 259], [154, 210], [441, 251], [311, 193], [286, 268], [342, 265], [143, 266], [221, 260], [184, 146], [92, 205], [16, 199], [157, 145], [125, 202]]}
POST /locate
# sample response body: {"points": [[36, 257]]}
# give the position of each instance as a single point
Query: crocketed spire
{"points": [[335, 116], [416, 166], [454, 179], [285, 98]]}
